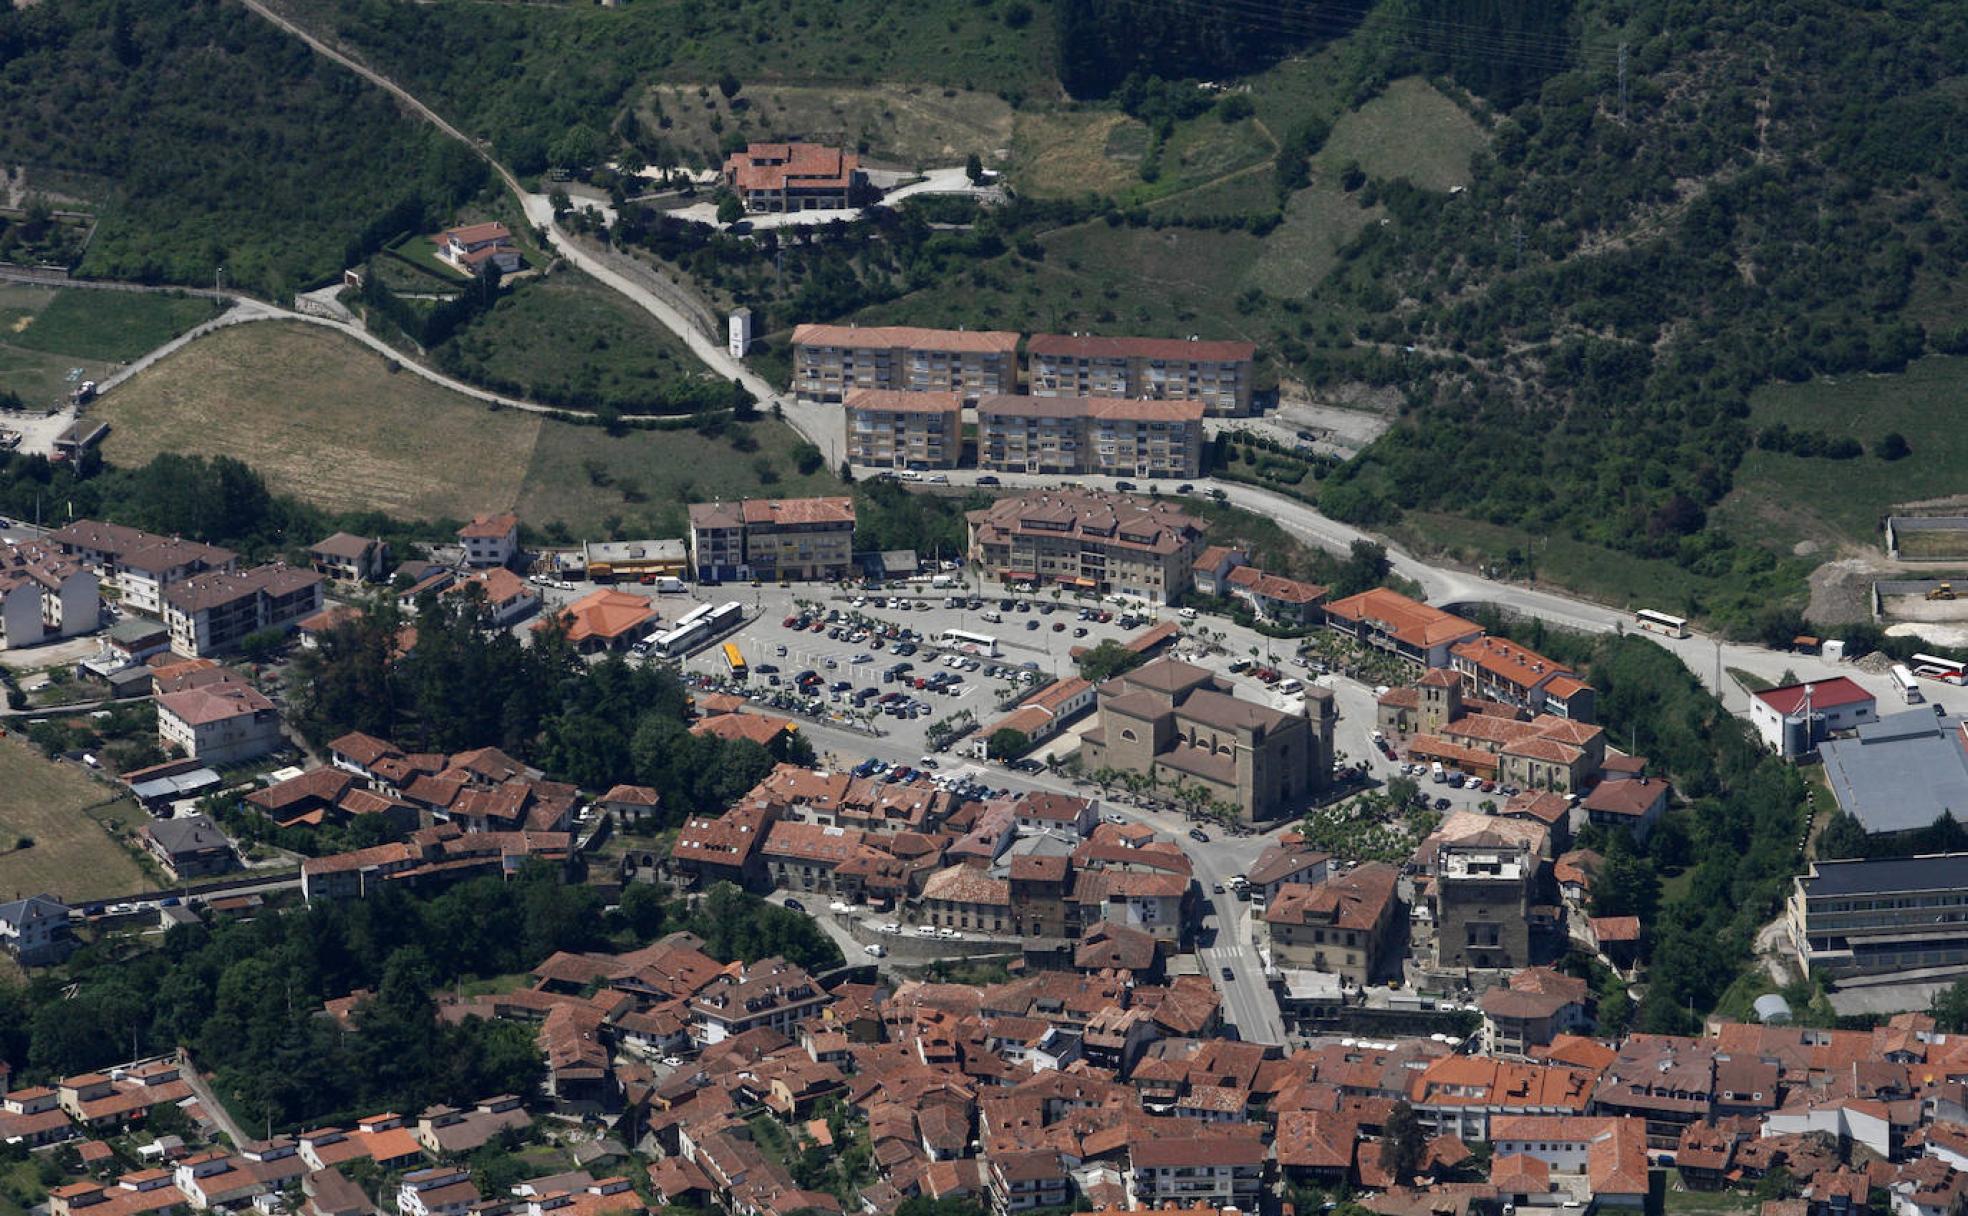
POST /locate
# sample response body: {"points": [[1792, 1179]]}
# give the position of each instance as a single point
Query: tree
{"points": [[730, 210], [1007, 743], [728, 84], [579, 147], [1627, 884], [1776, 1183], [1108, 660], [1401, 1143], [974, 168], [1892, 446]]}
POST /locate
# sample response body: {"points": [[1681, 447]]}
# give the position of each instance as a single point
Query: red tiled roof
{"points": [[1825, 694]]}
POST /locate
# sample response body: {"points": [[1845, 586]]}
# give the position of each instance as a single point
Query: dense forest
{"points": [[226, 142], [246, 996]]}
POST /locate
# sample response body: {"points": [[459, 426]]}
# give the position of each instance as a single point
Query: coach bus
{"points": [[734, 660], [970, 643], [1908, 686], [1660, 622], [1947, 671]]}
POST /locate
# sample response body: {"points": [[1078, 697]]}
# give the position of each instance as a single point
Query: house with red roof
{"points": [[1827, 706], [475, 248]]}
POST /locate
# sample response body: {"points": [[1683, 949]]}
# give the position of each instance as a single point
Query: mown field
{"points": [[1782, 499], [45, 333], [325, 421], [73, 855]]}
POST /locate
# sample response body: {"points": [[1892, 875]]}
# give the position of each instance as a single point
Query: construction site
{"points": [[1933, 609]]}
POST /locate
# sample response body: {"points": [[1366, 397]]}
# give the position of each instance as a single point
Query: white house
{"points": [[476, 246], [35, 930], [44, 595], [1842, 704], [490, 540]]}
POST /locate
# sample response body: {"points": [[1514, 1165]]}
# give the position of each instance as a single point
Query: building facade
{"points": [[1217, 374], [1390, 621], [1117, 437], [795, 177], [1181, 723], [1088, 541], [45, 594], [1343, 926], [212, 613], [490, 540], [831, 361], [1483, 891], [893, 429], [225, 722], [1879, 916], [773, 538]]}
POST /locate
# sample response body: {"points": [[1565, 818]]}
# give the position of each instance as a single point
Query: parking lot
{"points": [[858, 650]]}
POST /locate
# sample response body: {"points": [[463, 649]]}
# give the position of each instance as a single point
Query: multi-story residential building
{"points": [[1532, 1009], [1482, 895], [139, 565], [831, 361], [353, 559], [795, 176], [1182, 723], [1343, 926], [1218, 374], [773, 538], [1489, 740], [771, 992], [1874, 917], [1089, 541], [214, 612], [1498, 669], [1391, 621], [893, 429], [35, 930], [1285, 601], [1223, 1170], [45, 594], [490, 540], [1120, 437], [224, 722]]}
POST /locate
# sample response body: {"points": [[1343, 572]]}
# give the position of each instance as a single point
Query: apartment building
{"points": [[490, 540], [45, 594], [214, 612], [1498, 669], [1218, 374], [1413, 631], [1090, 541], [1221, 1171], [892, 429], [139, 565], [1120, 437], [224, 722], [831, 361], [773, 538], [1345, 925], [1874, 917]]}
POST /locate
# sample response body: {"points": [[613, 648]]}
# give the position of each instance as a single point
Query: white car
{"points": [[890, 927], [1114, 817], [946, 932], [875, 950], [838, 906]]}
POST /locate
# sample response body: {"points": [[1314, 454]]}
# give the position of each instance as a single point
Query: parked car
{"points": [[1199, 835], [988, 480], [875, 950], [794, 905]]}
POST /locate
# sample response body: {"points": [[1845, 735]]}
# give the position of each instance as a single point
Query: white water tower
{"points": [[741, 332]]}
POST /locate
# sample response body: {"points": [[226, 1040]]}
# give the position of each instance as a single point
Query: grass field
{"points": [[46, 332], [73, 855], [903, 125], [649, 476], [1319, 220], [1781, 499], [1068, 153], [1411, 130], [325, 420], [1933, 545], [568, 334]]}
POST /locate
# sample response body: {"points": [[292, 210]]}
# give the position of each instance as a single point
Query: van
{"points": [[942, 581], [667, 584], [1289, 686], [994, 616], [1187, 614], [907, 475], [1438, 775]]}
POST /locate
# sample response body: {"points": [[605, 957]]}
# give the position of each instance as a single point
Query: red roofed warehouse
{"points": [[1818, 708]]}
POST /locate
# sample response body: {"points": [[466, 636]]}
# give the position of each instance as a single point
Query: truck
{"points": [[669, 584]]}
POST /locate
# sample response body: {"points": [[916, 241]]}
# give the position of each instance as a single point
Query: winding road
{"points": [[1707, 657]]}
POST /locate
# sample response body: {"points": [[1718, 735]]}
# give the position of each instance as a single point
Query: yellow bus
{"points": [[735, 660]]}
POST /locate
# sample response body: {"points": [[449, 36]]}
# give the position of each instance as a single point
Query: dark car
{"points": [[1124, 486], [1228, 974], [1032, 624], [1199, 835], [988, 480], [1185, 488], [1441, 804], [794, 905]]}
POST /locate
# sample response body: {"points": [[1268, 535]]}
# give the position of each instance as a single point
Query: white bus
{"points": [[1908, 686], [982, 644], [1947, 671], [1660, 622]]}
